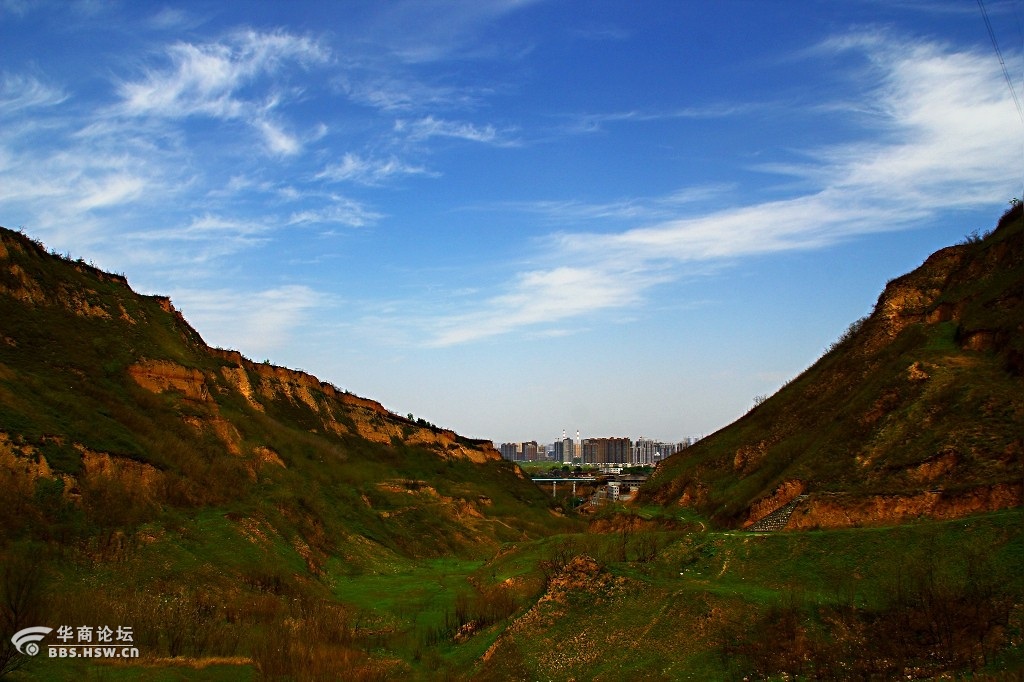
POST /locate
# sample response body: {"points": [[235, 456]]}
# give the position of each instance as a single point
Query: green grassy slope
{"points": [[834, 604], [151, 480], [925, 394], [70, 337]]}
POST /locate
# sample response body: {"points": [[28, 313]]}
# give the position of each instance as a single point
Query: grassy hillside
{"points": [[729, 605], [202, 490], [916, 411]]}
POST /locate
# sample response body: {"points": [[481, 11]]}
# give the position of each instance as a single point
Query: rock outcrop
{"points": [[839, 510]]}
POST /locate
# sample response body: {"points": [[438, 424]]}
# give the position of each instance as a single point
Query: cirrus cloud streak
{"points": [[936, 128]]}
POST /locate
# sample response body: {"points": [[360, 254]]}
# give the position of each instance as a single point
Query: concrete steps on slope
{"points": [[778, 519]]}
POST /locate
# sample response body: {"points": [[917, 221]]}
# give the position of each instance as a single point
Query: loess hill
{"points": [[244, 519], [915, 412], [114, 413]]}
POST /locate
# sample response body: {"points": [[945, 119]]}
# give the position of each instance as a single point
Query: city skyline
{"points": [[594, 449]]}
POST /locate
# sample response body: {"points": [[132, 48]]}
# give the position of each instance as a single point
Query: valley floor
{"points": [[648, 596]]}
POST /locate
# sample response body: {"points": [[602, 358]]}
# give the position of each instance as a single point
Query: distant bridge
{"points": [[555, 481]]}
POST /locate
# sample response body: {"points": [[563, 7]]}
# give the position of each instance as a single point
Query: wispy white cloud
{"points": [[545, 297], [168, 18], [204, 79], [392, 92], [599, 122], [146, 172], [940, 136], [277, 140], [61, 190], [211, 80], [19, 92], [340, 211], [427, 127], [419, 32], [263, 321], [110, 190], [132, 159], [573, 211], [354, 168], [194, 244], [212, 226]]}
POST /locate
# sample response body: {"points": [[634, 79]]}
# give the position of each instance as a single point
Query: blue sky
{"points": [[519, 216]]}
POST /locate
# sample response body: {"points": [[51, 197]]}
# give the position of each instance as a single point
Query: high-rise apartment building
{"points": [[529, 451], [607, 451], [643, 452], [565, 449], [511, 451], [647, 451]]}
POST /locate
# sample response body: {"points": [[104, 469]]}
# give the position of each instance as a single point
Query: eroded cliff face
{"points": [[844, 511], [160, 376], [261, 384], [21, 464], [365, 418], [912, 298], [199, 375], [22, 467]]}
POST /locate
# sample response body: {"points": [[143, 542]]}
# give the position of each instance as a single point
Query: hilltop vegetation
{"points": [[251, 522]]}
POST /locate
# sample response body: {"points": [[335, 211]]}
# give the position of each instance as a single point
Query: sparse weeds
{"points": [[315, 640], [472, 612], [933, 620]]}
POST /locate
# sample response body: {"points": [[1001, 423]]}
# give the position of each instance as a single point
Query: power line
{"points": [[1002, 63]]}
